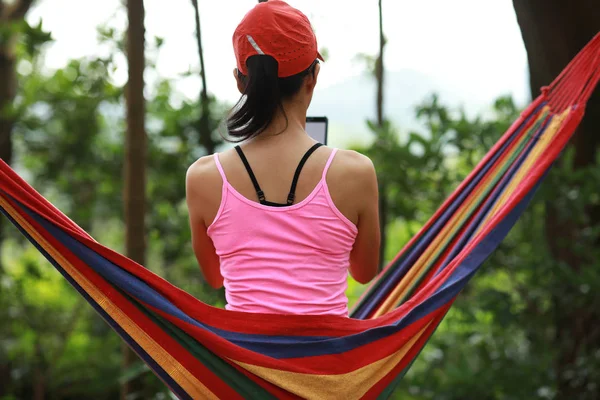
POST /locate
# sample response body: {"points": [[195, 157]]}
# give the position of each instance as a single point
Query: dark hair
{"points": [[263, 94]]}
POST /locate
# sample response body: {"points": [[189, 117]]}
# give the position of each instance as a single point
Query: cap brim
{"points": [[320, 57]]}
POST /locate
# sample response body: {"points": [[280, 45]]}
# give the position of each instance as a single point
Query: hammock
{"points": [[203, 352]]}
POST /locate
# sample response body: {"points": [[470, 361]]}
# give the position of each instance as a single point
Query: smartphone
{"points": [[316, 127]]}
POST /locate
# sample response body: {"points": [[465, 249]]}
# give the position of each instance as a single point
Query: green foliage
{"points": [[63, 125], [174, 144], [420, 170]]}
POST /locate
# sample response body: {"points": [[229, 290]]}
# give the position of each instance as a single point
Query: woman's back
{"points": [[281, 220], [290, 259]]}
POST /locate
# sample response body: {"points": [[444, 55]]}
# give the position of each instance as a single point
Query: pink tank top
{"points": [[283, 260]]}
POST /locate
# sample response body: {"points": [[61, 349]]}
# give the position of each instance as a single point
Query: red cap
{"points": [[276, 29]]}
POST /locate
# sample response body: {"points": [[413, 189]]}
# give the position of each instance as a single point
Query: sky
{"points": [[474, 44]]}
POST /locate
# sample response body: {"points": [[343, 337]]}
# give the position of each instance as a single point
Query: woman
{"points": [[276, 249]]}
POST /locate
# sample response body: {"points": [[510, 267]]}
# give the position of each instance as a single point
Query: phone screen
{"points": [[316, 127]]}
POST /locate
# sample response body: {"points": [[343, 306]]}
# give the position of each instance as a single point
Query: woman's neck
{"points": [[291, 123]]}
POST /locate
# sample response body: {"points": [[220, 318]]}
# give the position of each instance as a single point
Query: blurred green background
{"points": [[528, 325]]}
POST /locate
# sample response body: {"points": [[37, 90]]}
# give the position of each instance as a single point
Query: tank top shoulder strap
{"points": [[328, 164], [220, 167]]}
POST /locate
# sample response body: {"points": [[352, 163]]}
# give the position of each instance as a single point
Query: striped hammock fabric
{"points": [[203, 352]]}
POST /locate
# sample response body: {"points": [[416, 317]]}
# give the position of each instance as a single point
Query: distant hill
{"points": [[350, 103]]}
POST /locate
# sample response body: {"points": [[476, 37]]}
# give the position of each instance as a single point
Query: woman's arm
{"points": [[364, 258], [353, 186], [200, 181]]}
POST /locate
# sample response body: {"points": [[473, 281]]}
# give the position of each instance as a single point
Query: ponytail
{"points": [[263, 95]]}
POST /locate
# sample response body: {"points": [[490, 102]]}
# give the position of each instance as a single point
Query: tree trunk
{"points": [[383, 201], [6, 369], [379, 71], [39, 384], [553, 32], [7, 94], [205, 133], [135, 153], [8, 83]]}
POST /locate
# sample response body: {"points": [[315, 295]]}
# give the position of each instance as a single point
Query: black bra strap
{"points": [[292, 194], [259, 192]]}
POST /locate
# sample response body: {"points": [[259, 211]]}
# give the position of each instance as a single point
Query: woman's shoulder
{"points": [[203, 176], [203, 185], [352, 165], [202, 168], [354, 157], [352, 183]]}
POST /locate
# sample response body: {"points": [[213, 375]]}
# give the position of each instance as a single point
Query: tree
{"points": [[383, 201], [384, 136], [11, 13], [135, 153], [553, 32], [379, 71], [204, 128]]}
